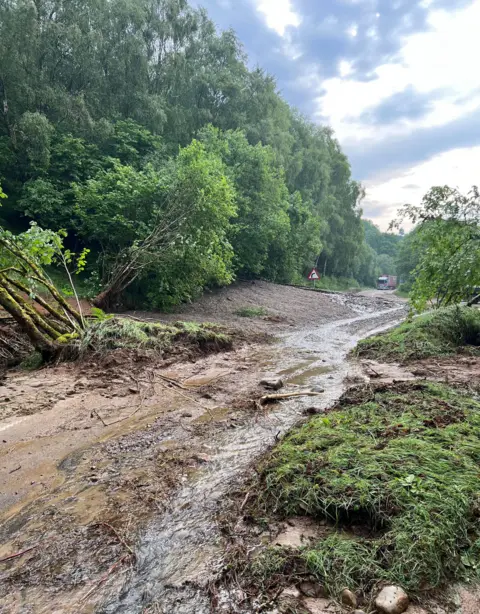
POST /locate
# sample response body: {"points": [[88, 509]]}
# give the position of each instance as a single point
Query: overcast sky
{"points": [[398, 81]]}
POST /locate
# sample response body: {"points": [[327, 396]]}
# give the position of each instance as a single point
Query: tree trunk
{"points": [[46, 305], [40, 341]]}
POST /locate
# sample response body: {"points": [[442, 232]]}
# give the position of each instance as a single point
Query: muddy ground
{"points": [[112, 469]]}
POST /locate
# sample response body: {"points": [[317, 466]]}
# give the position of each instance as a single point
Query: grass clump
{"points": [[251, 312], [440, 333], [124, 333], [402, 462]]}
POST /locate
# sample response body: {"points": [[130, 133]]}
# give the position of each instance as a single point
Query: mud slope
{"points": [[284, 306]]}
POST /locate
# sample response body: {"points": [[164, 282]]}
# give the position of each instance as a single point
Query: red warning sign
{"points": [[314, 276]]}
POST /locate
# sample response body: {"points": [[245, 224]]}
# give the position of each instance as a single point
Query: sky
{"points": [[397, 80]]}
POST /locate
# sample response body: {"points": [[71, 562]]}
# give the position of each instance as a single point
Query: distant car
{"points": [[387, 282]]}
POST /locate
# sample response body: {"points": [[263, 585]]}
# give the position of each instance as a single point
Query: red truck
{"points": [[387, 282]]}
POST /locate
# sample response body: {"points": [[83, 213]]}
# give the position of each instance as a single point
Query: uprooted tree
{"points": [[446, 243], [28, 294]]}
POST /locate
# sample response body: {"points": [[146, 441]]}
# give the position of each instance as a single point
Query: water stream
{"points": [[176, 555]]}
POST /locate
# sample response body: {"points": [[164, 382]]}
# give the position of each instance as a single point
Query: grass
{"points": [[115, 333], [440, 333], [404, 462], [251, 312]]}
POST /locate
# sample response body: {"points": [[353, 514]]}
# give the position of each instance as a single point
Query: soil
{"points": [[113, 470], [285, 306]]}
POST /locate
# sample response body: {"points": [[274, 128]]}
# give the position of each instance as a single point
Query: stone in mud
{"points": [[291, 592], [312, 589], [348, 598], [319, 606], [392, 600], [272, 384]]}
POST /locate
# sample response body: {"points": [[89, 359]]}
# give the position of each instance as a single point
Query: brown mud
{"points": [[112, 471]]}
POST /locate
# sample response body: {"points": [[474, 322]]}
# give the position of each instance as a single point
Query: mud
{"points": [[114, 474], [180, 551]]}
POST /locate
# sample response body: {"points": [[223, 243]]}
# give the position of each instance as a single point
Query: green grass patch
{"points": [[402, 462], [251, 312], [440, 333], [114, 333], [338, 284]]}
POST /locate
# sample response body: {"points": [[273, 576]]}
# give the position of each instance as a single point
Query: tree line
{"points": [[138, 128]]}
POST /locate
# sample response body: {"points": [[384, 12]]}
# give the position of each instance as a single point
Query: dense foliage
{"points": [[384, 250], [442, 254], [124, 117]]}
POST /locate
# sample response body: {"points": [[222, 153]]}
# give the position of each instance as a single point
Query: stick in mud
{"points": [[288, 395]]}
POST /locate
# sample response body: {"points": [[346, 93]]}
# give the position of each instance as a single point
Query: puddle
{"points": [[214, 415], [302, 378], [206, 378], [295, 368]]}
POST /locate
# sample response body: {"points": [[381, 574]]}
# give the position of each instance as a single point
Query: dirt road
{"points": [[113, 475]]}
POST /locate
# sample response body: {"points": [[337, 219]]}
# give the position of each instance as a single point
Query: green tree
{"points": [[447, 245]]}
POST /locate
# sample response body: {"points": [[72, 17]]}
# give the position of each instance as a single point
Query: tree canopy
{"points": [[125, 116], [444, 249]]}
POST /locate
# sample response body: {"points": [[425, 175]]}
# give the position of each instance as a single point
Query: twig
{"points": [[247, 496], [13, 470], [137, 409], [119, 537], [105, 577], [173, 382], [99, 417], [279, 397], [185, 396], [17, 554]]}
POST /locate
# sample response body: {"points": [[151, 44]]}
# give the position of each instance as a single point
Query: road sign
{"points": [[314, 276]]}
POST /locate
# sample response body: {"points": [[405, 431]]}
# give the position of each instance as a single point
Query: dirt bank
{"points": [[106, 466]]}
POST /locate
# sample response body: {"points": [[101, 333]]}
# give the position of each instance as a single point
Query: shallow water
{"points": [[177, 553]]}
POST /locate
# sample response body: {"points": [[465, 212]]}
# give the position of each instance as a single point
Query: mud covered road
{"points": [[114, 476]]}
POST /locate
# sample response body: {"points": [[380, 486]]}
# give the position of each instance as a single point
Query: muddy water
{"points": [[178, 553]]}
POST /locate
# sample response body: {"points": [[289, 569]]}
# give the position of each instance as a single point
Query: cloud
{"points": [[278, 14], [429, 62], [457, 168]]}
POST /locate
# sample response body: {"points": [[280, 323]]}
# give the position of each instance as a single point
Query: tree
{"points": [[48, 325], [174, 220], [447, 244]]}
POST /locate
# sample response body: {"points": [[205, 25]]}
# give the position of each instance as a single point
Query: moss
{"points": [[440, 333], [402, 462], [114, 333], [251, 312], [67, 338]]}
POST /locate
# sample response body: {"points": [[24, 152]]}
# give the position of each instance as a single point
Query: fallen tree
{"points": [[28, 294]]}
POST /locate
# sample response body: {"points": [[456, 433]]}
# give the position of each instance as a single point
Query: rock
{"points": [[320, 606], [312, 589], [392, 600], [272, 384], [291, 592], [312, 411], [348, 598], [318, 389]]}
